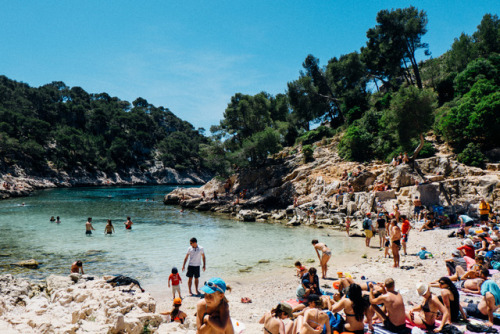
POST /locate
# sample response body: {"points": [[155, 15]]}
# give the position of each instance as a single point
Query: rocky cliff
{"points": [[17, 182], [270, 190]]}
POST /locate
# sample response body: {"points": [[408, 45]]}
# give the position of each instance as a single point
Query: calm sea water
{"points": [[158, 241]]}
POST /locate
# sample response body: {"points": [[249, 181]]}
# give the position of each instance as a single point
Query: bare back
{"points": [[396, 233], [395, 307]]}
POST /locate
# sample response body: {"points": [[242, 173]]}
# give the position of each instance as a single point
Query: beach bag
{"points": [[366, 224], [336, 321]]}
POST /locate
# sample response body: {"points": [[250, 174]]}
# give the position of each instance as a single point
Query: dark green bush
{"points": [[472, 156], [308, 151], [315, 135]]}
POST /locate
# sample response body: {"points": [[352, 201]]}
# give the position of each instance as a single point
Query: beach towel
{"points": [[292, 302], [380, 329], [492, 287], [470, 262]]}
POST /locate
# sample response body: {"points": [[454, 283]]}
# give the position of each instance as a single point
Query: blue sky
{"points": [[192, 56]]}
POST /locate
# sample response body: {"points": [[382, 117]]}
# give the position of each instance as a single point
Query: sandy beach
{"points": [[266, 290]]}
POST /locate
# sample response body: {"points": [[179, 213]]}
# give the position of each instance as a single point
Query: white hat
{"points": [[422, 289], [468, 242]]}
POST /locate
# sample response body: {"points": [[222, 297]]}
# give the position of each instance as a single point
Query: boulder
{"points": [[429, 194], [191, 203], [246, 215], [32, 264], [204, 206], [55, 282]]}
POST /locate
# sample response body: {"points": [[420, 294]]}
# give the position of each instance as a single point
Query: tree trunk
{"points": [[419, 148]]}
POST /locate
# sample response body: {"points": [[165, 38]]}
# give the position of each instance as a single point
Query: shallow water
{"points": [[158, 240]]}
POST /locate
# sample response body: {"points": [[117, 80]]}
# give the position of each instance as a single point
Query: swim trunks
{"points": [[397, 243], [368, 233], [459, 284], [405, 237], [109, 232], [473, 311], [393, 328], [387, 243], [88, 232], [193, 271]]}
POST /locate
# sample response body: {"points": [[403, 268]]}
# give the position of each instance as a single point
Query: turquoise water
{"points": [[159, 238]]}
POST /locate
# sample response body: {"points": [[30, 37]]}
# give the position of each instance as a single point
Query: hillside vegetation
{"points": [[379, 100]]}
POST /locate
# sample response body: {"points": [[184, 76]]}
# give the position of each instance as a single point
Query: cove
{"points": [[158, 241]]}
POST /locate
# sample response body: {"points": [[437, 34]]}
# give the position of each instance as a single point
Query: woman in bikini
{"points": [[355, 308], [313, 319], [212, 312], [424, 315], [324, 257], [273, 321]]}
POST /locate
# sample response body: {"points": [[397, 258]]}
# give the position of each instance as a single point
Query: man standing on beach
{"points": [[88, 227], [395, 242], [484, 211], [195, 254], [394, 319], [368, 227]]}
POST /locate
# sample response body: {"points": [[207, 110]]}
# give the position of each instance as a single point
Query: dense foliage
{"points": [[67, 128], [380, 97]]}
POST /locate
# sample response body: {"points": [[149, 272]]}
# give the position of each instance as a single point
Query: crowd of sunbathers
{"points": [[365, 303]]}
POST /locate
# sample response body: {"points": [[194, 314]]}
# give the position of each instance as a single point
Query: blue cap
{"points": [[214, 284], [495, 228]]}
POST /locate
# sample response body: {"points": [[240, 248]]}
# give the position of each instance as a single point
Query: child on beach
{"points": [[386, 246], [301, 270], [176, 279]]}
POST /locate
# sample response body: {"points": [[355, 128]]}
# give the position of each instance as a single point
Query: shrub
{"points": [[472, 156], [308, 151], [315, 135]]}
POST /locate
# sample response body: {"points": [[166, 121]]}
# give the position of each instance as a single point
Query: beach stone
{"points": [[246, 215], [55, 282], [32, 264], [385, 195], [429, 194], [204, 206]]}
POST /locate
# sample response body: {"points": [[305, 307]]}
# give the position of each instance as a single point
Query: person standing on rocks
{"points": [[368, 227], [325, 256], [195, 254], [88, 227]]}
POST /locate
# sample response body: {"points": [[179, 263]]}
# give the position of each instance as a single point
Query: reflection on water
{"points": [[158, 241]]}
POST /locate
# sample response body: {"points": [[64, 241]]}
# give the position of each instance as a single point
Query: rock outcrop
{"points": [[62, 306], [268, 193]]}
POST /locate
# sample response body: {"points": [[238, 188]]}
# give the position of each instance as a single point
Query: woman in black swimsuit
{"points": [[273, 321], [451, 299], [424, 315], [355, 308]]}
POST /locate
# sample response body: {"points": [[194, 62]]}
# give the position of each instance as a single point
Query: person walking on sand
{"points": [[128, 224], [396, 242], [109, 228], [325, 256], [88, 227], [394, 315], [176, 279], [77, 267], [195, 254]]}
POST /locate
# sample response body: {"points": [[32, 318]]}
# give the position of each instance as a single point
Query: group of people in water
{"points": [[108, 229]]}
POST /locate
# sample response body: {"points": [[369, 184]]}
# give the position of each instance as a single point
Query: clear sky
{"points": [[192, 56]]}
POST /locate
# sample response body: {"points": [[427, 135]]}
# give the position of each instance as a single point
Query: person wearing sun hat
{"points": [[213, 310], [424, 314], [273, 320], [176, 314], [467, 249]]}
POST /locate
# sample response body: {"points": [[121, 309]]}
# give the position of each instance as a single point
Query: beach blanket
{"points": [[292, 302], [380, 329]]}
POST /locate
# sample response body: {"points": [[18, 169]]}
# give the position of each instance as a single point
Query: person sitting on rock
{"points": [[77, 267]]}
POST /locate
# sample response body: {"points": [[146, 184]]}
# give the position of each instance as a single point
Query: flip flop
{"points": [[246, 300]]}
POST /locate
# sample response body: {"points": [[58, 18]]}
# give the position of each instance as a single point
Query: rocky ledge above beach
{"points": [[270, 190]]}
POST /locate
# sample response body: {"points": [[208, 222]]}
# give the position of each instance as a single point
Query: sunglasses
{"points": [[214, 286]]}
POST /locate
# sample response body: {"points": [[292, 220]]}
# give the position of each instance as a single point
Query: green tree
{"points": [[411, 114], [487, 36], [397, 37]]}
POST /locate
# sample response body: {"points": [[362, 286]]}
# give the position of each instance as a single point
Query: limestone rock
{"points": [[32, 264]]}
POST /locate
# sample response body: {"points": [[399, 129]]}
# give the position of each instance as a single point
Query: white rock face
{"points": [[84, 307]]}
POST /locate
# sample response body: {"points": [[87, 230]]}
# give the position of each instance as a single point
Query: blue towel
{"points": [[492, 287]]}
